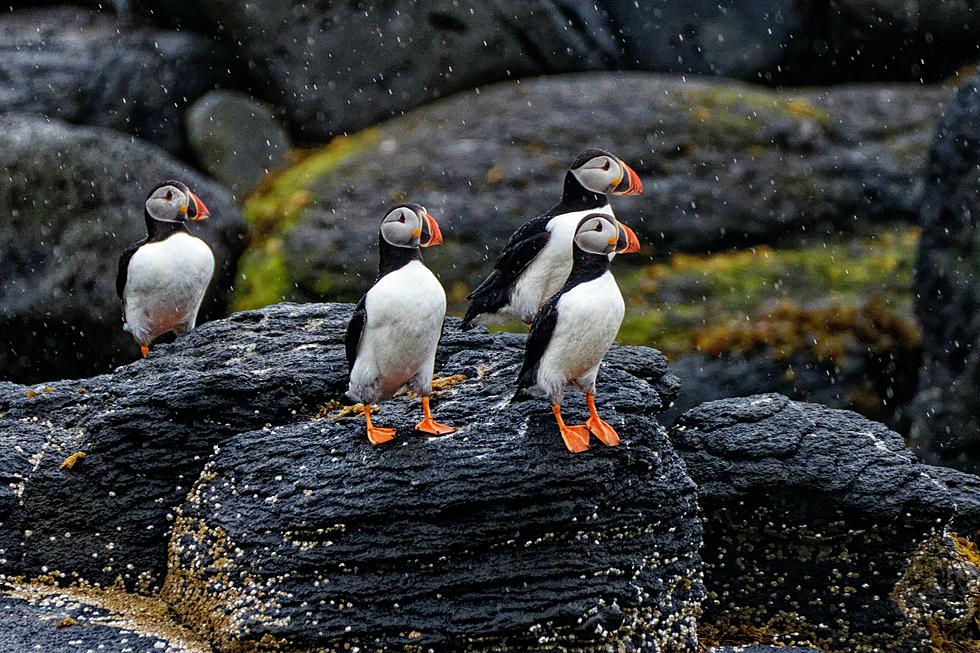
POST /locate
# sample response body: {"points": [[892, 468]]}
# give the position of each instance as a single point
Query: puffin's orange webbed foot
{"points": [[145, 350], [376, 434], [429, 425], [598, 426], [576, 437]]}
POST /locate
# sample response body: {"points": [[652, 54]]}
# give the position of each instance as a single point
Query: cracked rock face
{"points": [[812, 518], [297, 529]]}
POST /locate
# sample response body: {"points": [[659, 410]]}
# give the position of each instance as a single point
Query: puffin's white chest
{"points": [[589, 317], [549, 270], [165, 284], [405, 311]]}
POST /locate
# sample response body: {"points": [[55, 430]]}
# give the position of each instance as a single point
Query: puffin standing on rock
{"points": [[575, 328], [392, 336], [538, 257], [162, 278]]}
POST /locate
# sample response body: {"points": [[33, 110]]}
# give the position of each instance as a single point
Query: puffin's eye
{"points": [[169, 196], [402, 218], [605, 166], [598, 226]]}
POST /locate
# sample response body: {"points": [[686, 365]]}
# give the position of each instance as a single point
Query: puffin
{"points": [[392, 336], [575, 328], [162, 278], [538, 257]]}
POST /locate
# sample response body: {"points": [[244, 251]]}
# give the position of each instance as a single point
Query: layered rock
{"points": [[723, 164], [820, 528], [571, 550], [72, 201], [93, 68], [947, 425]]}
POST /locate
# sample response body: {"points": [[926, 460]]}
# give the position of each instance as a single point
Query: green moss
{"points": [[671, 303], [273, 211]]}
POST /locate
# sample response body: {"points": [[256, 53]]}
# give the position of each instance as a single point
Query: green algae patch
{"points": [[691, 300], [274, 210]]}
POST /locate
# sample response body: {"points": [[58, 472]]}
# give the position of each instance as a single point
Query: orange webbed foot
{"points": [[432, 427], [601, 429], [378, 435], [145, 350], [576, 438], [598, 426], [429, 425]]}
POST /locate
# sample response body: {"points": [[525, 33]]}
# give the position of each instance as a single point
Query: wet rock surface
{"points": [[44, 618], [947, 412], [498, 512], [722, 163], [813, 517], [72, 201], [94, 68]]}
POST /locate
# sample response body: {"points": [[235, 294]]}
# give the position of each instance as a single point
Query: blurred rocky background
{"points": [[809, 223]]}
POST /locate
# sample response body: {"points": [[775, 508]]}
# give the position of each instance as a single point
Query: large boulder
{"points": [[600, 547], [947, 425], [337, 67], [94, 68], [236, 138], [820, 528], [72, 200], [723, 164]]}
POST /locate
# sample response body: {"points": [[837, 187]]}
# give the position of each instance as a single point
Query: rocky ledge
{"points": [[220, 481]]}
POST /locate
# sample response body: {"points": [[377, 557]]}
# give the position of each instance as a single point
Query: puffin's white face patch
{"points": [[599, 174], [165, 204], [402, 227], [597, 236]]}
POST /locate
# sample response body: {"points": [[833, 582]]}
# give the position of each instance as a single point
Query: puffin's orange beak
{"points": [[628, 242], [200, 211], [630, 184], [430, 228]]}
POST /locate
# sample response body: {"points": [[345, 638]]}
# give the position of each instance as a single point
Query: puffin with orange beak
{"points": [[575, 328], [162, 279], [392, 336], [537, 259]]}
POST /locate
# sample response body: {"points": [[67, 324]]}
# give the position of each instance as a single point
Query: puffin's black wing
{"points": [[537, 341], [523, 245], [354, 329], [123, 272]]}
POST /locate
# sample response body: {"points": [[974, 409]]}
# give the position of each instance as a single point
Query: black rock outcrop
{"points": [[72, 201], [947, 425], [297, 506], [819, 528]]}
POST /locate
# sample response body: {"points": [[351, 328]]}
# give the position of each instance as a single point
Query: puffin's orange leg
{"points": [[576, 437], [599, 427], [376, 434], [145, 350], [429, 425]]}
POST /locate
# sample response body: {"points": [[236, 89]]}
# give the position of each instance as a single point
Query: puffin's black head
{"points": [[599, 233], [601, 172], [410, 225], [173, 201]]}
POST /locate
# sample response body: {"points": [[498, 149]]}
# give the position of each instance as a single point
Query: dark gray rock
{"points": [[236, 138], [148, 430], [723, 164], [812, 518], [946, 430], [43, 618], [337, 67], [965, 490], [94, 68], [761, 648], [72, 201]]}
